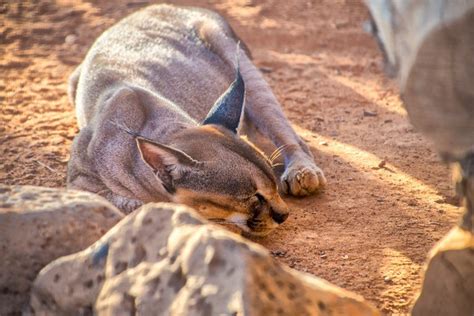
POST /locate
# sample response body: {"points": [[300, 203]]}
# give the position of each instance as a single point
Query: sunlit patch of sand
{"points": [[370, 164], [398, 273], [370, 88]]}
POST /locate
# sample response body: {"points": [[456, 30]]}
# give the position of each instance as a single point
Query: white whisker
{"points": [[277, 165], [277, 153]]}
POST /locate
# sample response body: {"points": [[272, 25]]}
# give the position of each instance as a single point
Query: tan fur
{"points": [[157, 73]]}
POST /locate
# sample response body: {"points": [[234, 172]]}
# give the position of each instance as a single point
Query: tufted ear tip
{"points": [[228, 109]]}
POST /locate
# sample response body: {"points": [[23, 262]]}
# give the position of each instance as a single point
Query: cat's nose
{"points": [[279, 217]]}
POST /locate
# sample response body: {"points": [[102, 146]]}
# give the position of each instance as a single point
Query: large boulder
{"points": [[448, 286], [164, 260], [429, 45], [38, 225]]}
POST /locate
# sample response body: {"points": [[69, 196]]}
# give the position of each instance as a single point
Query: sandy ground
{"points": [[388, 200]]}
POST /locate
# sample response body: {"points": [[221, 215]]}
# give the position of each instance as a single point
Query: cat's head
{"points": [[219, 173]]}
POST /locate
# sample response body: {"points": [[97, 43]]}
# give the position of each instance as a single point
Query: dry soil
{"points": [[388, 200]]}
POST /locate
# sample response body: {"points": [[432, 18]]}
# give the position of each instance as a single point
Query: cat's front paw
{"points": [[302, 177]]}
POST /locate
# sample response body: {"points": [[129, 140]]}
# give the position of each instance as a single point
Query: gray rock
{"points": [[164, 260], [38, 225], [429, 45], [448, 286]]}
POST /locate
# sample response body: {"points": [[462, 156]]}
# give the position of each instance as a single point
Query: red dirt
{"points": [[368, 232]]}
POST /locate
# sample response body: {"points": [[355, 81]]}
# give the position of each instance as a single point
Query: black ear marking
{"points": [[228, 109]]}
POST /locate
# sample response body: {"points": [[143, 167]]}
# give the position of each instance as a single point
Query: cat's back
{"points": [[158, 48]]}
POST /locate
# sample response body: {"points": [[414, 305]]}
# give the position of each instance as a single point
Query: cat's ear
{"points": [[167, 162], [228, 109]]}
